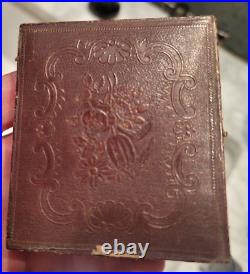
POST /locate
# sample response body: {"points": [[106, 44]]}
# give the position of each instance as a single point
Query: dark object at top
{"points": [[105, 10], [232, 19], [174, 9]]}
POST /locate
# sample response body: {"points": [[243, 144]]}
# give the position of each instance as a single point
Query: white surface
{"points": [[234, 95]]}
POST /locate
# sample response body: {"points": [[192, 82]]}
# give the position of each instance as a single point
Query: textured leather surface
{"points": [[118, 134]]}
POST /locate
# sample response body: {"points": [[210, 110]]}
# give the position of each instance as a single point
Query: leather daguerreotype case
{"points": [[118, 135]]}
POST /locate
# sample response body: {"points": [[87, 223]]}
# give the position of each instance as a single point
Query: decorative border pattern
{"points": [[115, 136], [211, 111]]}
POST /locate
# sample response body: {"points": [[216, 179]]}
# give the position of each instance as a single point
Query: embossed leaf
{"points": [[139, 120], [139, 128], [98, 104], [102, 85], [144, 130], [121, 150]]}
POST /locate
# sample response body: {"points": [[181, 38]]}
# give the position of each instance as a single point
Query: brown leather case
{"points": [[118, 135]]}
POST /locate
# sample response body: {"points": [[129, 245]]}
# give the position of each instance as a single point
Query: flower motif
{"points": [[111, 52], [109, 215], [94, 170], [113, 118], [96, 123], [128, 106], [45, 129]]}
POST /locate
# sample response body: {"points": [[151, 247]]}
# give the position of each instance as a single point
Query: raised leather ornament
{"points": [[118, 135]]}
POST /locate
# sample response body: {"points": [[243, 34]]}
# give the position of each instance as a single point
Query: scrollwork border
{"points": [[211, 106]]}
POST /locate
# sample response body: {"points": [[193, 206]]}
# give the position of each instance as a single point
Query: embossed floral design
{"points": [[183, 84], [113, 106], [183, 130], [94, 170], [113, 117], [129, 105], [115, 114], [110, 215], [45, 129], [95, 122], [111, 52]]}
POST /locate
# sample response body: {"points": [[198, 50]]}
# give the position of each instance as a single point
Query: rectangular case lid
{"points": [[118, 134]]}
